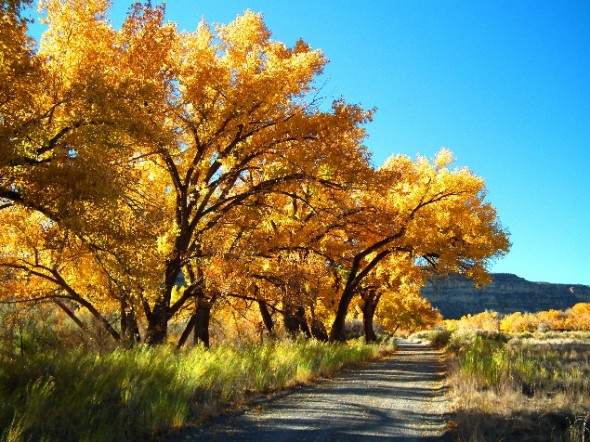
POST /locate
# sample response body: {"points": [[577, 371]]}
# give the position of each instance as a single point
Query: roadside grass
{"points": [[137, 394], [533, 386], [437, 337]]}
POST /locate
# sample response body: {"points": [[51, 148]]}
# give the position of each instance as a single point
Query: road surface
{"points": [[399, 398]]}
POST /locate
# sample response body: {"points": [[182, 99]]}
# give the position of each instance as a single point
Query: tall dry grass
{"points": [[133, 395], [520, 388]]}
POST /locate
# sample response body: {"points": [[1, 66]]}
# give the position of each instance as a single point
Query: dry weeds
{"points": [[558, 410]]}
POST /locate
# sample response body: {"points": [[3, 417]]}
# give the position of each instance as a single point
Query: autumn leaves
{"points": [[148, 153]]}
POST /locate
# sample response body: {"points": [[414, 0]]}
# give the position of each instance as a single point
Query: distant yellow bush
{"points": [[488, 321], [576, 318]]}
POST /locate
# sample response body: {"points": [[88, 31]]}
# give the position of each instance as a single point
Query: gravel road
{"points": [[399, 398]]}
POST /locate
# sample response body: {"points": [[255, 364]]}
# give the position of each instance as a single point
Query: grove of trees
{"points": [[150, 176]]}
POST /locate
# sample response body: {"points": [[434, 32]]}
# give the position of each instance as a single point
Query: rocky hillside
{"points": [[456, 296]]}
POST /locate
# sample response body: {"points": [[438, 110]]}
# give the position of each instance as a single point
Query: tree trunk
{"points": [[291, 323], [187, 331], [300, 314], [337, 332], [266, 318], [369, 307], [203, 317], [158, 318], [318, 330], [198, 324], [355, 276], [71, 314], [129, 328], [295, 322], [99, 318], [157, 329]]}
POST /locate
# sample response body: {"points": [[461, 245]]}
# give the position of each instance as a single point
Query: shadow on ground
{"points": [[521, 427], [399, 398]]}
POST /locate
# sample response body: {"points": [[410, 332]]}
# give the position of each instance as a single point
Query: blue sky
{"points": [[505, 85]]}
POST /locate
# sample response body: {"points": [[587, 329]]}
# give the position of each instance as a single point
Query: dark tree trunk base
{"points": [[266, 318], [203, 317]]}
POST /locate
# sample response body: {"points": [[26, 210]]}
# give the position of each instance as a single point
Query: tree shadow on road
{"points": [[354, 406]]}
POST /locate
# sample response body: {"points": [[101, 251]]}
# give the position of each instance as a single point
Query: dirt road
{"points": [[399, 398]]}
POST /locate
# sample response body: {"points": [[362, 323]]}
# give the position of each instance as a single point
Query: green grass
{"points": [[130, 395]]}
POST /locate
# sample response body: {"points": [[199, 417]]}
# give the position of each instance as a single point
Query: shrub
{"points": [[438, 338]]}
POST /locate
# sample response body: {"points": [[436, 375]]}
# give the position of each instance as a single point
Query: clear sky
{"points": [[503, 84]]}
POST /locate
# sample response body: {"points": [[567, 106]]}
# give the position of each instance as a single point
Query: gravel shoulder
{"points": [[399, 398]]}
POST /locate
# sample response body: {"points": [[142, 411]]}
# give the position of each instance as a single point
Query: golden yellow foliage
{"points": [[133, 158], [487, 321], [576, 318]]}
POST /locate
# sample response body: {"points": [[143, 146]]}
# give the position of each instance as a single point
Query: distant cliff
{"points": [[456, 296]]}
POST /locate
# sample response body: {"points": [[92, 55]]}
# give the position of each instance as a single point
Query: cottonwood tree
{"points": [[578, 317], [38, 263], [392, 294], [275, 263], [232, 119], [102, 270], [461, 240], [59, 108], [63, 156], [159, 153], [427, 210], [226, 114]]}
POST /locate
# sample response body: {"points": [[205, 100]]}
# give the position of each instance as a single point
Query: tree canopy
{"points": [[137, 160]]}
